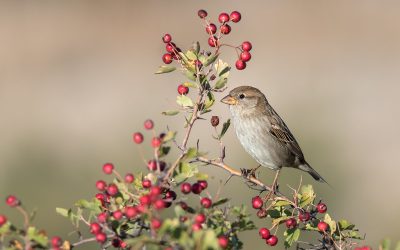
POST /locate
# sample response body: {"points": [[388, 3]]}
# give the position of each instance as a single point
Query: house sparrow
{"points": [[263, 133]]}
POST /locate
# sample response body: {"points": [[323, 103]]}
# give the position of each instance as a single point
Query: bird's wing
{"points": [[281, 132]]}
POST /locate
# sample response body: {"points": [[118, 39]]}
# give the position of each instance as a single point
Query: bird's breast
{"points": [[253, 134]]}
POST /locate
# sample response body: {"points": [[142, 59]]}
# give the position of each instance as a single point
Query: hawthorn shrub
{"points": [[129, 211]]}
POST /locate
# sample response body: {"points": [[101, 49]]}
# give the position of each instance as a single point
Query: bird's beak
{"points": [[229, 100]]}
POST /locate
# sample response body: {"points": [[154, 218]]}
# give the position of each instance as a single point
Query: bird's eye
{"points": [[241, 96]]}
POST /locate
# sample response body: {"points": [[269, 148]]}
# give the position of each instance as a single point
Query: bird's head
{"points": [[245, 98]]}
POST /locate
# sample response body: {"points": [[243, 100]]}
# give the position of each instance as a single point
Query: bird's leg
{"points": [[249, 172]]}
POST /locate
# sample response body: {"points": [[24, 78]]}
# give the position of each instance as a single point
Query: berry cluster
{"points": [[216, 34], [306, 216], [224, 28]]}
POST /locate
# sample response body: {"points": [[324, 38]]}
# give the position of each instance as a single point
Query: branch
{"points": [[251, 179]]}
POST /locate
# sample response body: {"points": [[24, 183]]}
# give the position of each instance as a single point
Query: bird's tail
{"points": [[307, 168]]}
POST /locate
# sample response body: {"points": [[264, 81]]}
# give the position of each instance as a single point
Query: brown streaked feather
{"points": [[281, 132]]}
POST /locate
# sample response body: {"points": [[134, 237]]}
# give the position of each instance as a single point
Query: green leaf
{"points": [[34, 235], [190, 85], [220, 202], [307, 195], [165, 69], [225, 72], [63, 212], [201, 176], [331, 223], [170, 135], [184, 101], [279, 220], [185, 171], [397, 246], [170, 112], [221, 83], [210, 60], [292, 235], [281, 203], [221, 68], [190, 154], [191, 55], [190, 75], [209, 101], [92, 206], [206, 239], [225, 127], [196, 47], [385, 244], [345, 225]]}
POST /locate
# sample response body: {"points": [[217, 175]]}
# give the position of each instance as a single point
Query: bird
{"points": [[263, 134]]}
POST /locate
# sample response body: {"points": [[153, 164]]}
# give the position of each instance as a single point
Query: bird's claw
{"points": [[249, 173]]}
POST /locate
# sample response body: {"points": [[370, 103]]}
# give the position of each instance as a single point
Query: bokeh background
{"points": [[76, 80]]}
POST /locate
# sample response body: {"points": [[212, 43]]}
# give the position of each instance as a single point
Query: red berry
{"points": [[264, 233], [145, 200], [246, 46], [167, 38], [123, 244], [12, 201], [304, 216], [100, 197], [117, 214], [101, 237], [95, 228], [235, 16], [102, 217], [156, 223], [196, 227], [245, 56], [321, 207], [3, 220], [211, 29], [138, 138], [152, 165], [198, 64], [130, 212], [212, 41], [159, 204], [155, 190], [183, 205], [262, 213], [148, 124], [223, 17], [183, 90], [146, 183], [323, 226], [225, 29], [170, 195], [291, 223], [257, 202], [203, 184], [206, 202], [200, 218], [170, 48], [240, 65], [116, 243], [156, 142], [112, 189], [56, 241], [167, 58], [186, 187], [129, 178], [196, 188], [202, 13], [108, 168], [223, 241], [101, 185], [272, 241]]}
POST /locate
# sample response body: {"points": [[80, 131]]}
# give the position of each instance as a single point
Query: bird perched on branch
{"points": [[263, 133]]}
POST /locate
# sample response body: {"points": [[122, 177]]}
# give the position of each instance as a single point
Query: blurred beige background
{"points": [[76, 79]]}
